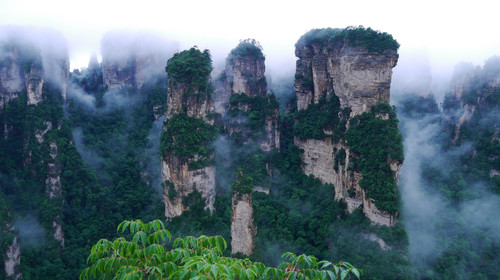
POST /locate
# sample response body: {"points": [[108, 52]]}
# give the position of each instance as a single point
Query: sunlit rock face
{"points": [[360, 79], [185, 181]]}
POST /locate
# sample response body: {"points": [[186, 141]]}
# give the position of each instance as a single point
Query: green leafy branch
{"points": [[145, 257]]}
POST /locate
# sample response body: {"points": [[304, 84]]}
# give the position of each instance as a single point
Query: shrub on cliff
{"points": [[318, 36], [192, 67], [375, 139], [246, 48], [189, 138], [324, 115], [258, 109], [372, 40]]}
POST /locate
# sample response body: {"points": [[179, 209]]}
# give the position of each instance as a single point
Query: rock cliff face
{"points": [[246, 75], [12, 255], [360, 79], [131, 59], [188, 104], [53, 188], [185, 181], [34, 84], [243, 81], [33, 64], [181, 100], [243, 229], [251, 118], [13, 260], [472, 105], [11, 79], [29, 58]]}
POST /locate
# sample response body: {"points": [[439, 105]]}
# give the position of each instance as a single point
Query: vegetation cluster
{"points": [[255, 109], [189, 139], [248, 48], [377, 142], [191, 67], [372, 40], [326, 115]]}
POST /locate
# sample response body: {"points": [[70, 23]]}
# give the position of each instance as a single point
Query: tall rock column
{"points": [[241, 97], [243, 229], [186, 142], [341, 75], [251, 118], [33, 76], [12, 255]]}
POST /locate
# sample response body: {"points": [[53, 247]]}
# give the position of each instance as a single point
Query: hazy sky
{"points": [[443, 32]]}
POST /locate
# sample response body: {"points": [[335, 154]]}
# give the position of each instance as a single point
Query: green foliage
{"points": [[301, 215], [312, 122], [457, 176], [145, 256], [189, 138], [198, 220], [377, 142], [243, 183], [318, 36], [191, 67], [249, 48], [246, 118], [372, 40], [258, 109]]}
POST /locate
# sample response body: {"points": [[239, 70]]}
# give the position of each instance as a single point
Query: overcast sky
{"points": [[441, 32]]}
